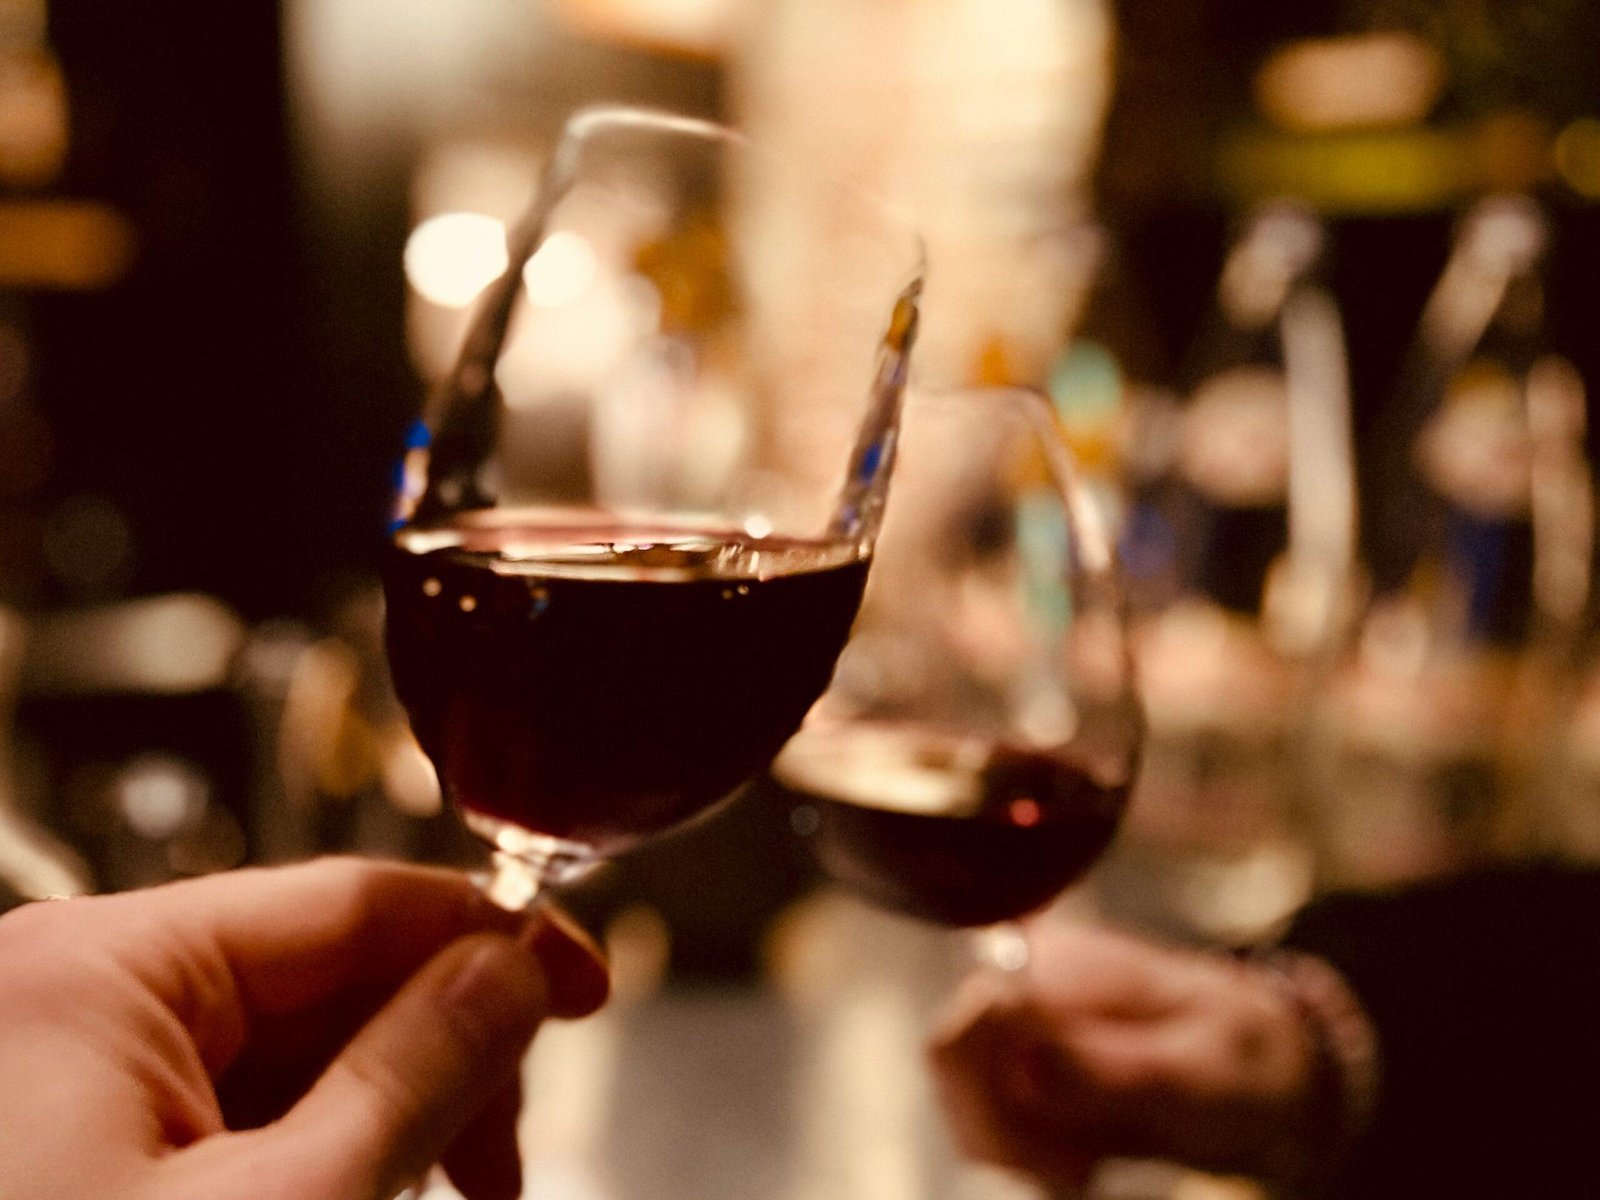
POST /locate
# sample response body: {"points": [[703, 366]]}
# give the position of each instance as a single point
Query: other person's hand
{"points": [[1108, 1046]]}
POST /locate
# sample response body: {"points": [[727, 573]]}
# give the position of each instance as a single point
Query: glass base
{"points": [[525, 863]]}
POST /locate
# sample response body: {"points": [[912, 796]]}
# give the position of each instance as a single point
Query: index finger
{"points": [[284, 938], [318, 942], [224, 951]]}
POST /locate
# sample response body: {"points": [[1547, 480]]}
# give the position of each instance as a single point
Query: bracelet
{"points": [[1345, 1058]]}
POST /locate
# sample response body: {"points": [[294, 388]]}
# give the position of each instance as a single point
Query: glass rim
{"points": [[593, 120], [1034, 411]]}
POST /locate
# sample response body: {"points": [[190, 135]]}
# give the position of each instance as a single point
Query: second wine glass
{"points": [[974, 753]]}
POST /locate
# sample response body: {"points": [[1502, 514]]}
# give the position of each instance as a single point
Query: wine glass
{"points": [[634, 534], [974, 753]]}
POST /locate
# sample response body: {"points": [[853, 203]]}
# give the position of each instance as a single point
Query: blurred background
{"points": [[1314, 290]]}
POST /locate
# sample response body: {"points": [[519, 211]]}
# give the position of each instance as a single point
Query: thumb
{"points": [[443, 1047]]}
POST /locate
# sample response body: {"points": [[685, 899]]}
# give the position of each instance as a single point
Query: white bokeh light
{"points": [[452, 257], [563, 269]]}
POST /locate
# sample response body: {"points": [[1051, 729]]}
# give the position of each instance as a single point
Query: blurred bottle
{"points": [[1242, 545], [1569, 793], [979, 121], [1431, 746]]}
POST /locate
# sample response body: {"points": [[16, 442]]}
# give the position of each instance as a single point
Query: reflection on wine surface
{"points": [[956, 829], [595, 681]]}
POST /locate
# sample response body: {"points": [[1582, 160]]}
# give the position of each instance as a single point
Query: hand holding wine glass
{"points": [[328, 1029], [1108, 1045], [594, 651]]}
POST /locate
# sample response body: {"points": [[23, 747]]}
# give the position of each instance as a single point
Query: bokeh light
{"points": [[452, 257]]}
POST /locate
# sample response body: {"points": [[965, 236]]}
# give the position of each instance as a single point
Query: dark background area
{"points": [[240, 394]]}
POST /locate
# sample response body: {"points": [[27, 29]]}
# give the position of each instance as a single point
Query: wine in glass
{"points": [[974, 753], [596, 645]]}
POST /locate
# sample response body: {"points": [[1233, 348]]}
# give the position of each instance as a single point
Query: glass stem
{"points": [[512, 882], [1002, 947], [525, 862]]}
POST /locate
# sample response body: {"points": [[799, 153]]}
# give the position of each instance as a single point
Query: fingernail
{"points": [[574, 967]]}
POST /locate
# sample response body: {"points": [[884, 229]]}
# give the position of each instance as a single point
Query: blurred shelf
{"points": [[63, 245]]}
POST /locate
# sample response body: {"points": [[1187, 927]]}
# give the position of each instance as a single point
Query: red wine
{"points": [[956, 830], [601, 683]]}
